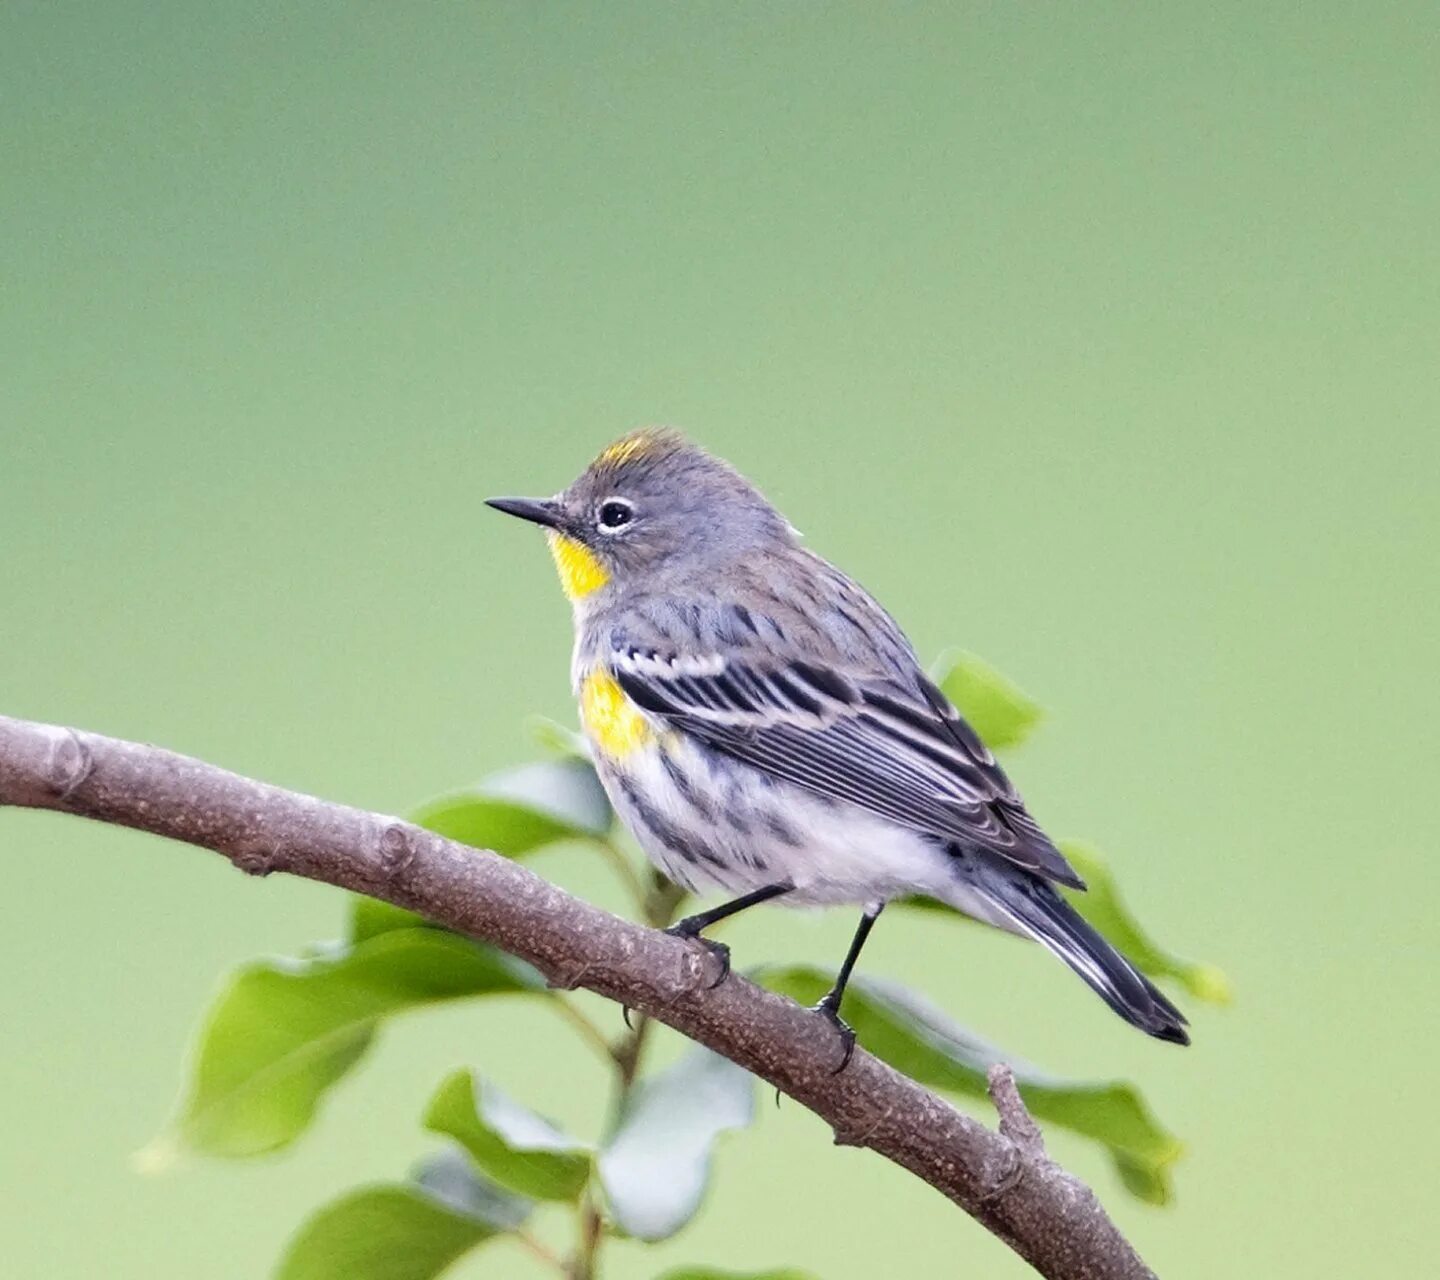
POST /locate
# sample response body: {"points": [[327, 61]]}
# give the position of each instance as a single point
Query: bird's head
{"points": [[651, 505]]}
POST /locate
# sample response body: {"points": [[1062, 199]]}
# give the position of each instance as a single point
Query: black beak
{"points": [[537, 510]]}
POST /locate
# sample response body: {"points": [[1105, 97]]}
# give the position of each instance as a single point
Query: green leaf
{"points": [[558, 739], [1143, 1181], [1102, 905], [510, 1144], [370, 917], [710, 1273], [451, 1178], [997, 709], [282, 1032], [382, 1233], [913, 1036], [524, 809], [656, 1165], [411, 1231]]}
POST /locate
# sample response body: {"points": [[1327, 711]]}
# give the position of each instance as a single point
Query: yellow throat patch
{"points": [[614, 723], [580, 572]]}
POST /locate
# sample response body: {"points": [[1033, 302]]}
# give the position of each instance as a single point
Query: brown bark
{"points": [[1004, 1180]]}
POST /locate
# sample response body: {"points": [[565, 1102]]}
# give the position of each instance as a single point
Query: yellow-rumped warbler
{"points": [[764, 727]]}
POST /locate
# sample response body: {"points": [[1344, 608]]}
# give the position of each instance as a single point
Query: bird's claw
{"points": [[829, 1010], [717, 949]]}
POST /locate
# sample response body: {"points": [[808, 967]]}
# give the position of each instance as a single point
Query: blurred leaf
{"points": [[557, 738], [923, 902], [411, 1231], [656, 1165], [382, 1233], [510, 1144], [282, 1032], [370, 917], [913, 1036], [997, 710], [451, 1178], [1102, 905], [1143, 1181], [710, 1273], [569, 790], [524, 809]]}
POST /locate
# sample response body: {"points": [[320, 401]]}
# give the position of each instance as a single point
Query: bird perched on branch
{"points": [[765, 729]]}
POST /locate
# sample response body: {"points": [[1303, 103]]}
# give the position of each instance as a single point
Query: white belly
{"points": [[710, 823]]}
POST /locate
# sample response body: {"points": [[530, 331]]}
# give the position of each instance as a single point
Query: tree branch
{"points": [[1004, 1180]]}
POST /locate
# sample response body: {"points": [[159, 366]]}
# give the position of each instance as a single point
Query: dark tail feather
{"points": [[1038, 910]]}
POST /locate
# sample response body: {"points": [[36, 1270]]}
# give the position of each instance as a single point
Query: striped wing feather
{"points": [[904, 753]]}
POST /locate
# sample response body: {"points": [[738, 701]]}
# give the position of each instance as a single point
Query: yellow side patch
{"points": [[614, 723], [580, 572]]}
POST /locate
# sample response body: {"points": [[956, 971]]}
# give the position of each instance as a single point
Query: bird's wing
{"points": [[898, 750]]}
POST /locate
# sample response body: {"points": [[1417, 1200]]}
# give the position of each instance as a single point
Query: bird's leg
{"points": [[691, 926], [829, 1004]]}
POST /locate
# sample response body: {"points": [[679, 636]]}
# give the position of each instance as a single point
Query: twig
{"points": [[1044, 1214], [620, 864], [589, 1032], [657, 905], [587, 1251], [538, 1249], [1016, 1122]]}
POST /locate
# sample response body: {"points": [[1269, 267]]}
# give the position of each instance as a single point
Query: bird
{"points": [[766, 731]]}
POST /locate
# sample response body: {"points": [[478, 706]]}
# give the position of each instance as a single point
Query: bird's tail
{"points": [[1034, 907]]}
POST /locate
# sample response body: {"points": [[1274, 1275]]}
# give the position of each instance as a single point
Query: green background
{"points": [[1101, 340]]}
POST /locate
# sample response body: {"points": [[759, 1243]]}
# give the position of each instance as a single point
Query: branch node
{"points": [[697, 965], [71, 762], [260, 860], [1016, 1122], [859, 1138], [397, 848], [569, 979], [1004, 1180]]}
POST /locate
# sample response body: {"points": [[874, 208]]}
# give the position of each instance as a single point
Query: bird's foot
{"points": [[829, 1009], [684, 929]]}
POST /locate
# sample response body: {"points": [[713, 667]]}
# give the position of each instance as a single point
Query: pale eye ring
{"points": [[615, 515]]}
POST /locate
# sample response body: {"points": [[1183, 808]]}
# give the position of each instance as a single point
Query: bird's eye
{"points": [[615, 514]]}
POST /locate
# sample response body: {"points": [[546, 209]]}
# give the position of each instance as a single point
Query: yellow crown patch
{"points": [[647, 442], [626, 449]]}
